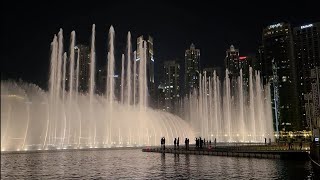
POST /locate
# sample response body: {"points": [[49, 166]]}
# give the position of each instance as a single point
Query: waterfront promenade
{"points": [[273, 151]]}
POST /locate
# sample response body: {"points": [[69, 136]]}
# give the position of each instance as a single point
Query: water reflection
{"points": [[134, 164]]}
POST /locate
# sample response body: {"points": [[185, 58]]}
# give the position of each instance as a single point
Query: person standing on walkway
{"points": [[178, 143], [175, 142], [185, 142]]}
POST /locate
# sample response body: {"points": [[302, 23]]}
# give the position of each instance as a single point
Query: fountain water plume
{"points": [[238, 112]]}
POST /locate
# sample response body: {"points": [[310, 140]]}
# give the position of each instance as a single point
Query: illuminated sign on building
{"points": [[306, 26], [275, 25], [243, 57]]}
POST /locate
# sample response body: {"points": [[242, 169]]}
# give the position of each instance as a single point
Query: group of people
{"points": [[176, 143], [200, 143], [186, 142], [265, 141]]}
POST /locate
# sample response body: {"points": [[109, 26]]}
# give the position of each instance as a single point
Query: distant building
{"points": [[161, 97], [150, 67], [232, 61], [192, 69], [257, 65], [307, 54], [84, 66], [171, 85], [278, 68], [312, 101], [101, 81]]}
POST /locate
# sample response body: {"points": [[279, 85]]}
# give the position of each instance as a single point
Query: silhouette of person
{"points": [[175, 142], [186, 143], [178, 143]]}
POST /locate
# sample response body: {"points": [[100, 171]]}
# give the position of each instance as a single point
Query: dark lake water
{"points": [[135, 164]]}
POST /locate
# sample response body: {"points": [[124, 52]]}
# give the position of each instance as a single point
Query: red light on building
{"points": [[242, 57]]}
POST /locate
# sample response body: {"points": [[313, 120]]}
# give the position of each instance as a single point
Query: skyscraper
{"points": [[171, 84], [232, 61], [278, 68], [307, 54], [150, 66], [192, 69], [84, 63]]}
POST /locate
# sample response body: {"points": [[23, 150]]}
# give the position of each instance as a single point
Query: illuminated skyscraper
{"points": [[84, 63], [307, 54], [192, 69], [171, 85], [278, 53], [232, 61]]}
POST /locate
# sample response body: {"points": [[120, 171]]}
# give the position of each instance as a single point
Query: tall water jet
{"points": [[92, 65], [64, 75], [63, 95], [122, 79], [71, 66], [110, 85], [227, 106], [52, 83], [252, 106], [134, 77], [241, 106], [92, 85], [129, 69], [110, 72], [77, 73]]}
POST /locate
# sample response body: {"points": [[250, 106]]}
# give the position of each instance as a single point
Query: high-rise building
{"points": [[192, 69], [101, 80], [171, 85], [257, 65], [278, 68], [307, 54], [161, 96], [150, 66], [312, 101], [232, 61], [84, 66]]}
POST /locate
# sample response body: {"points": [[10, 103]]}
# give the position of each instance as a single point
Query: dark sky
{"points": [[28, 28]]}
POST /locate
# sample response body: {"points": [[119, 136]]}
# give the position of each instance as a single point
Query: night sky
{"points": [[28, 28]]}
